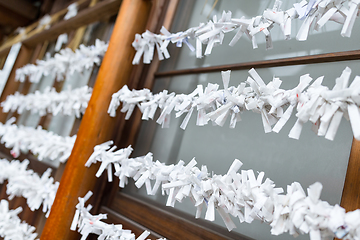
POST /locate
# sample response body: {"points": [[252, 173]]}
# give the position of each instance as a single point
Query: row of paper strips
{"points": [[316, 103], [66, 61], [11, 226], [68, 102], [88, 223], [44, 144], [26, 183], [240, 194], [313, 13]]}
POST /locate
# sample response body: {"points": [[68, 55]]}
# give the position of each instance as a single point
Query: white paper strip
{"points": [[62, 39], [72, 11], [315, 103]]}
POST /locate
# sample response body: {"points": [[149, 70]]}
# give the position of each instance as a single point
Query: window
{"points": [[307, 160]]}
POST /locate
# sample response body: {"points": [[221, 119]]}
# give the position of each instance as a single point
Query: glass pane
{"points": [[243, 51], [307, 160]]}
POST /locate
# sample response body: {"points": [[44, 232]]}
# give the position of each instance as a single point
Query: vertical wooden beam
{"points": [[351, 194], [96, 126]]}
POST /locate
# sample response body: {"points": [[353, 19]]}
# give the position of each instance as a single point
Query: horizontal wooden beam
{"points": [[310, 59], [89, 15], [115, 218], [85, 17], [170, 223]]}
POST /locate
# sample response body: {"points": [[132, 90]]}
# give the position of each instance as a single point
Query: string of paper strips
{"points": [[42, 143], [11, 227], [242, 195], [88, 223], [63, 62], [316, 103], [68, 102], [313, 13], [26, 183]]}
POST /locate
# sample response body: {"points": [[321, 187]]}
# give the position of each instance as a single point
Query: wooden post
{"points": [[350, 199], [96, 126]]}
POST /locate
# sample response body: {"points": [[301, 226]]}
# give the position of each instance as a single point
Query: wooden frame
{"points": [[97, 126], [310, 59]]}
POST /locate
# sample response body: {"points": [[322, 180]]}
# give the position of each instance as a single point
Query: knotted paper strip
{"points": [[28, 184], [44, 22], [11, 227], [242, 195], [72, 11], [315, 103], [68, 102], [312, 13], [64, 61], [42, 143], [62, 39], [88, 223]]}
